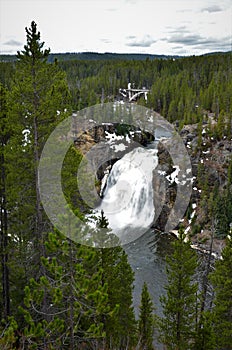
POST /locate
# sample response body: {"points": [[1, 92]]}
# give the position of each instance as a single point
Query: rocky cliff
{"points": [[210, 158]]}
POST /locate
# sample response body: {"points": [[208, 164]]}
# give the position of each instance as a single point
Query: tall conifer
{"points": [[38, 100], [146, 320], [222, 282], [119, 324], [4, 239], [178, 324]]}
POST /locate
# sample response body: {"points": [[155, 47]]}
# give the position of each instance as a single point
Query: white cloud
{"points": [[12, 42], [145, 41]]}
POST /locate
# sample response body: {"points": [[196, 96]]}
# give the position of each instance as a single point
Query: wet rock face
{"points": [[107, 165], [164, 194], [165, 160], [99, 132]]}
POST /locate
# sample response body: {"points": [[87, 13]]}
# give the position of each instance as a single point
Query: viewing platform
{"points": [[132, 94]]}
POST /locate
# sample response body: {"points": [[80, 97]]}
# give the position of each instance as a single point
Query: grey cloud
{"points": [[180, 29], [146, 41], [12, 42], [178, 47], [216, 45], [213, 8], [189, 39], [200, 42], [106, 41], [5, 52]]}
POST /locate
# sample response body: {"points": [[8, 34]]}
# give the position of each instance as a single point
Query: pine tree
{"points": [[37, 102], [8, 339], [4, 239], [87, 291], [70, 180], [223, 212], [119, 323], [146, 320], [76, 298], [221, 126], [205, 339], [178, 324], [123, 297], [221, 279]]}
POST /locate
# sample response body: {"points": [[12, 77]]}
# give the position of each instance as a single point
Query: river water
{"points": [[146, 256], [128, 205]]}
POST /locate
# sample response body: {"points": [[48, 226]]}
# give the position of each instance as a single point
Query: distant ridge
{"points": [[108, 56], [95, 56]]}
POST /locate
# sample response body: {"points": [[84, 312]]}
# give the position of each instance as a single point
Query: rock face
{"points": [[167, 196], [163, 195], [98, 133], [210, 161]]}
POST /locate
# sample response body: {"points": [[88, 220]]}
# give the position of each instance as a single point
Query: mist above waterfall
{"points": [[128, 197]]}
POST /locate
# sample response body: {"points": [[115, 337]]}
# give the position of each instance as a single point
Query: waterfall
{"points": [[128, 196]]}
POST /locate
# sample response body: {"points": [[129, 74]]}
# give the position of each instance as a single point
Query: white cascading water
{"points": [[128, 197]]}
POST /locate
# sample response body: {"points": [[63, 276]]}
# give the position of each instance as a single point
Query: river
{"points": [[128, 205], [146, 256]]}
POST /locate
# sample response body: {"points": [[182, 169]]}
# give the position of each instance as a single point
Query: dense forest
{"points": [[57, 294]]}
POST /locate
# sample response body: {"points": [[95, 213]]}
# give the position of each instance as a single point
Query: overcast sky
{"points": [[182, 27]]}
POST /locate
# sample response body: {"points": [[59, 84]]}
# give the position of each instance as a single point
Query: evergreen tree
{"points": [[122, 286], [8, 339], [221, 279], [119, 324], [36, 102], [146, 320], [4, 239], [75, 298], [179, 305], [70, 180], [205, 338], [223, 212]]}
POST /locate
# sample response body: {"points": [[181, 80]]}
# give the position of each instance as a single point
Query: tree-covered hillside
{"points": [[93, 56], [180, 88]]}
